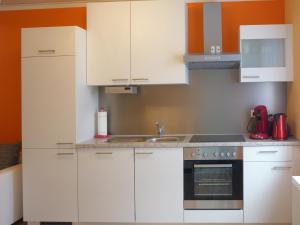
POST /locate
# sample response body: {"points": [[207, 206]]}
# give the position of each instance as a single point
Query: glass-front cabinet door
{"points": [[266, 53]]}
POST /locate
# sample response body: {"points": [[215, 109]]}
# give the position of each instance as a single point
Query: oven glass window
{"points": [[213, 180]]}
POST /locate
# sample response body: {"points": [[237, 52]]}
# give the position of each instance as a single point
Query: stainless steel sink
{"points": [[145, 139], [166, 139], [127, 139]]}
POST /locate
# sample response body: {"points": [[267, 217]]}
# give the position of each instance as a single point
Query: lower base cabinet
{"points": [[159, 185], [106, 185], [267, 192], [50, 185]]}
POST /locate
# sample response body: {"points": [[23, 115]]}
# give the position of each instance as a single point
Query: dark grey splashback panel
{"points": [[214, 103], [9, 155]]}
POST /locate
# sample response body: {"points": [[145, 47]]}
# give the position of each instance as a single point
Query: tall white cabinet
{"points": [[58, 111], [136, 42]]}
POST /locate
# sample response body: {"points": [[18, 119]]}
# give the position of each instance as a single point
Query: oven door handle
{"points": [[213, 166]]}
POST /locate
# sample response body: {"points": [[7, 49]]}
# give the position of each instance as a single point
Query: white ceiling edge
{"points": [[72, 4]]}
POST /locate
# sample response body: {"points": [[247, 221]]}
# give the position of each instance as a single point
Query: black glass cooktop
{"points": [[217, 138]]}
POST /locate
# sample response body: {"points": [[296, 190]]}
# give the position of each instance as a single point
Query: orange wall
{"points": [[234, 14], [11, 23]]}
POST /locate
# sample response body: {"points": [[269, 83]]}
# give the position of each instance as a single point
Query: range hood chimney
{"points": [[213, 57]]}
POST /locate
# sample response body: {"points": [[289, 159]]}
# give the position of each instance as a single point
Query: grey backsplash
{"points": [[214, 103]]}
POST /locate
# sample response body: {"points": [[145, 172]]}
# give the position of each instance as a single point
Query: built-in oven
{"points": [[213, 178]]}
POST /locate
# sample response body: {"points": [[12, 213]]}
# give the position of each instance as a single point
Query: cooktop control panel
{"points": [[213, 153]]}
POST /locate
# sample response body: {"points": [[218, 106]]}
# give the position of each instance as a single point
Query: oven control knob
{"points": [[193, 154], [228, 154], [216, 154], [205, 154], [222, 154], [234, 154]]}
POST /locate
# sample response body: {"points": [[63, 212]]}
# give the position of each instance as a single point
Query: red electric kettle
{"points": [[280, 127]]}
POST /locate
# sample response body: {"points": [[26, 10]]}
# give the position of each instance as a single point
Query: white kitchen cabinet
{"points": [[159, 185], [266, 53], [158, 42], [60, 41], [136, 43], [106, 185], [267, 185], [108, 43], [50, 185], [58, 109]]}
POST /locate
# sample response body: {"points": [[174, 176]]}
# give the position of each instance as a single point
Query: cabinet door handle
{"points": [[104, 153], [64, 143], [251, 77], [46, 51], [282, 167], [64, 153], [144, 153], [119, 80], [140, 79], [267, 152]]}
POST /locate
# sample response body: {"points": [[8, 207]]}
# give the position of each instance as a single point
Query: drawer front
{"points": [[213, 216], [50, 41], [268, 154]]}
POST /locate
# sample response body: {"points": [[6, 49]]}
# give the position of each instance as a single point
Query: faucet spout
{"points": [[160, 129]]}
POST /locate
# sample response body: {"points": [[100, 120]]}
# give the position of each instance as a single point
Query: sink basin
{"points": [[126, 139], [166, 139], [145, 139]]}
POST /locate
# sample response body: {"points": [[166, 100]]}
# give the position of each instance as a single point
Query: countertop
{"points": [[102, 143]]}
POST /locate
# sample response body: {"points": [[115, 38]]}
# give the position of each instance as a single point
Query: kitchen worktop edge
{"points": [[101, 143]]}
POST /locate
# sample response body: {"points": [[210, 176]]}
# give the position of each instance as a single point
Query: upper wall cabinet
{"points": [[136, 43], [266, 53]]}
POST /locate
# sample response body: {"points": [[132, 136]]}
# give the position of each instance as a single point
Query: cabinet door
{"points": [[266, 53], [158, 42], [59, 41], [50, 185], [267, 192], [48, 102], [106, 185], [108, 43], [159, 185]]}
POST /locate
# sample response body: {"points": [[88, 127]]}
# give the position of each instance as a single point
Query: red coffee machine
{"points": [[261, 121], [280, 127]]}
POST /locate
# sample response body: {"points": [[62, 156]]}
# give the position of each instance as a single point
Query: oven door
{"points": [[210, 184]]}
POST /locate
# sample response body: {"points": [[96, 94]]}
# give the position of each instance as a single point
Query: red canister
{"points": [[280, 127]]}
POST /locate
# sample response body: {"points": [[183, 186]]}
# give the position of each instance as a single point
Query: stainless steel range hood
{"points": [[213, 37]]}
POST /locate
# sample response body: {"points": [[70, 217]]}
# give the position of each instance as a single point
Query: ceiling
{"points": [[21, 2], [16, 2]]}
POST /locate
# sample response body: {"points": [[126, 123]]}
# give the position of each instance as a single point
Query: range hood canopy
{"points": [[212, 24]]}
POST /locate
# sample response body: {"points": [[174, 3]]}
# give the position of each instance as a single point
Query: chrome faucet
{"points": [[160, 129]]}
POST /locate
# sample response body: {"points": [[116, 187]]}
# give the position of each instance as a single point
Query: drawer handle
{"points": [[251, 77], [144, 153], [104, 153], [64, 143], [282, 167], [64, 153], [267, 152], [119, 80], [48, 51], [141, 79]]}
